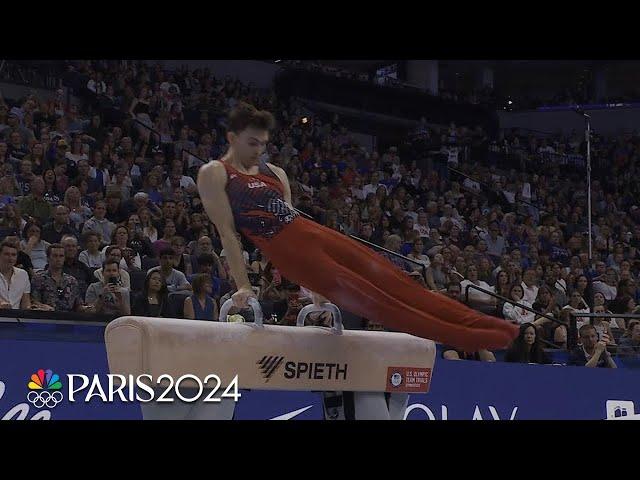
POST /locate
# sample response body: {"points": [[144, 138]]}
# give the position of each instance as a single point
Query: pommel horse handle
{"points": [[253, 303], [325, 307]]}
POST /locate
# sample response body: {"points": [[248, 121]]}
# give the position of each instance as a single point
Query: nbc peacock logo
{"points": [[44, 389]]}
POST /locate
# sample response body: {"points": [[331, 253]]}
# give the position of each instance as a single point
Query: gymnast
{"points": [[242, 193]]}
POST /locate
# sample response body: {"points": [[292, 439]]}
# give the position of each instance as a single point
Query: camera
{"points": [[113, 281]]}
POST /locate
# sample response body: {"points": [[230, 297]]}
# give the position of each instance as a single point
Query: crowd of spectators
{"points": [[99, 211]]}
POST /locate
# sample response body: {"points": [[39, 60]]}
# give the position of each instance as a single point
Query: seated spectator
{"points": [[25, 177], [74, 267], [556, 285], [503, 285], [630, 345], [15, 287], [530, 285], [200, 305], [515, 313], [183, 262], [273, 296], [54, 290], [259, 265], [153, 300], [106, 296], [593, 352], [99, 224], [176, 281], [527, 348], [149, 231], [624, 305], [34, 205], [53, 231], [601, 325], [78, 213], [437, 279], [495, 242], [608, 285], [452, 353], [477, 299], [545, 303], [34, 246], [576, 304], [115, 211], [417, 255], [164, 242], [92, 257], [130, 259], [24, 261], [114, 253], [11, 223], [205, 245]]}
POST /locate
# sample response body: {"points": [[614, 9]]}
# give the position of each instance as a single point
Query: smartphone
{"points": [[113, 281]]}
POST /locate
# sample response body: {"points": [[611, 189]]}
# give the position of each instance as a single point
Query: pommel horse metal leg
{"points": [[355, 405]]}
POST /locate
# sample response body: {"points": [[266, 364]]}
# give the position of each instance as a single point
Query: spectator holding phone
{"points": [[107, 297], [593, 352]]}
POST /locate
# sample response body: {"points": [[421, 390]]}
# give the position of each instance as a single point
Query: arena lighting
{"points": [[277, 61], [510, 102], [305, 119]]}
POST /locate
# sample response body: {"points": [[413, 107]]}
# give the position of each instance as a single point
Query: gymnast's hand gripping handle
{"points": [[253, 303], [325, 307]]}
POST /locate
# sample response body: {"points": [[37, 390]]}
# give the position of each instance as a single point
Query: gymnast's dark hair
{"points": [[245, 115]]}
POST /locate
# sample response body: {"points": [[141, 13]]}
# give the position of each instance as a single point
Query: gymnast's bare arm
{"points": [[212, 181]]}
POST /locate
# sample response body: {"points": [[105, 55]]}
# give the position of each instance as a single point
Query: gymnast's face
{"points": [[248, 145]]}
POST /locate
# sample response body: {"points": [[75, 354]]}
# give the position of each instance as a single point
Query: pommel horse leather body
{"points": [[267, 357]]}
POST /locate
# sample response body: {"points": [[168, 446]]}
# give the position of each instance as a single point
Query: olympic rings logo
{"points": [[40, 399]]}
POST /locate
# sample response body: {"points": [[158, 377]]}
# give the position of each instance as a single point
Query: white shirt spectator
{"points": [[530, 293], [185, 182], [38, 255], [580, 321], [518, 314], [91, 261], [476, 296], [423, 230], [175, 280], [13, 292]]}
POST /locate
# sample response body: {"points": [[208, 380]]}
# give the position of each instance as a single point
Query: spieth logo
{"points": [[269, 365], [44, 389]]}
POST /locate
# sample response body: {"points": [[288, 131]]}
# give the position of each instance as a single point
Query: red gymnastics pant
{"points": [[363, 282]]}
